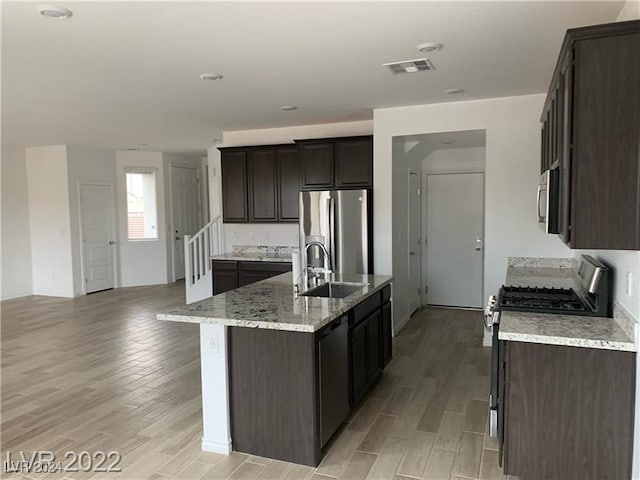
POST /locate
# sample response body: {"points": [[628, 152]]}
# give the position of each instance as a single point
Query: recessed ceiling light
{"points": [[410, 66], [210, 76], [453, 91], [54, 11], [288, 108], [429, 47]]}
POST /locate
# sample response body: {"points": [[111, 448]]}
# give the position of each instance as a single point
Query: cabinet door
{"points": [[387, 336], [234, 187], [374, 353], [606, 170], [354, 162], [225, 276], [358, 361], [262, 182], [288, 185], [317, 165]]}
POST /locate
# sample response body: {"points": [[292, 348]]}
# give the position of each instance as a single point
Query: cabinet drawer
{"points": [[279, 267], [363, 309], [227, 265], [386, 293]]}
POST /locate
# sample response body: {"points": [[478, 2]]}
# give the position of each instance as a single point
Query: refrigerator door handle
{"points": [[331, 211]]}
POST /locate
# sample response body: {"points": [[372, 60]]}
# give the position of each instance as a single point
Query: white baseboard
{"points": [[216, 447], [54, 294], [11, 296]]}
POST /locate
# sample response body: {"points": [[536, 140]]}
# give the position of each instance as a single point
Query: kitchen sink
{"points": [[334, 290]]}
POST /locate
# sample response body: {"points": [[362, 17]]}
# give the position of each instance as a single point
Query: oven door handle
{"points": [[538, 197]]}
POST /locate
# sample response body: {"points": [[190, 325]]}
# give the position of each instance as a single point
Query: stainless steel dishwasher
{"points": [[333, 353]]}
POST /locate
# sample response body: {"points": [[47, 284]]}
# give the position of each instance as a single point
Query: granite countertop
{"points": [[258, 253], [272, 304], [254, 257], [553, 329]]}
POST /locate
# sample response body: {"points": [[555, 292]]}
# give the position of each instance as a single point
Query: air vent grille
{"points": [[410, 66]]}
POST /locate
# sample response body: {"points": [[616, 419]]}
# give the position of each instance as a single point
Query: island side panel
{"points": [[215, 389], [273, 397]]}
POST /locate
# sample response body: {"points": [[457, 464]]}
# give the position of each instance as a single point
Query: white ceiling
{"points": [[119, 74]]}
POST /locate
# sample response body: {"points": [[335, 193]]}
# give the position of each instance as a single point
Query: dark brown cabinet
{"points": [[590, 133], [231, 274], [288, 184], [317, 163], [225, 276], [251, 272], [266, 178], [354, 162], [262, 185], [568, 412], [336, 163], [370, 342], [234, 186]]}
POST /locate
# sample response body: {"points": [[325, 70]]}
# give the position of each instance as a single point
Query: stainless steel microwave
{"points": [[547, 201]]}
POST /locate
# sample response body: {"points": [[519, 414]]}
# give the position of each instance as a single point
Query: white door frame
{"points": [[425, 199], [114, 223], [418, 256], [172, 165]]}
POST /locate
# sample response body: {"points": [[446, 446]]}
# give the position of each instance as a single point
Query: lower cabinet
{"points": [[230, 274], [225, 276], [568, 412], [290, 392], [371, 340]]}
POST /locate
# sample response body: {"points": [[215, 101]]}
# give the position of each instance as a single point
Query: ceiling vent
{"points": [[410, 66]]}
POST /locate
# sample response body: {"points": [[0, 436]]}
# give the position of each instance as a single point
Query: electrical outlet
{"points": [[213, 344]]}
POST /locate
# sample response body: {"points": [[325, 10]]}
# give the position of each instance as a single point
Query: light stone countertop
{"points": [[254, 257], [272, 304], [554, 329]]}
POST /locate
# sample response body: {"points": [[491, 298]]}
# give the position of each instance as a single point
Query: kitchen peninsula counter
{"points": [[272, 304]]}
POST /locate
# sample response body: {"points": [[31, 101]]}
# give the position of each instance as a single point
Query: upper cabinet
{"points": [[336, 163], [591, 133], [260, 184], [234, 186]]}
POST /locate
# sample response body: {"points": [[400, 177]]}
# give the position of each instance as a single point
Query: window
{"points": [[142, 215]]}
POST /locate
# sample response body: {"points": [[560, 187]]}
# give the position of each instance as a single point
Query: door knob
{"points": [[412, 252], [111, 242], [478, 248], [177, 238]]}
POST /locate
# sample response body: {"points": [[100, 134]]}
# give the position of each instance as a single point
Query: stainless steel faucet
{"points": [[327, 261]]}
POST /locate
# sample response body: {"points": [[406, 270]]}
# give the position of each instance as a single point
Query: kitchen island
{"points": [[280, 371]]}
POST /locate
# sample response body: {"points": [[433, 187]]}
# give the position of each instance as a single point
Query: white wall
{"points": [[142, 262], [455, 160], [88, 165], [269, 234], [16, 238], [512, 170], [49, 221]]}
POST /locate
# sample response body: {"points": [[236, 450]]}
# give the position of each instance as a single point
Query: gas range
{"points": [[543, 300], [590, 297]]}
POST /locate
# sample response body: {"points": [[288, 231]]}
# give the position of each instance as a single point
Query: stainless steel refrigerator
{"points": [[341, 220]]}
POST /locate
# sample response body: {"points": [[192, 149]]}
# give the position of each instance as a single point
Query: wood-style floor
{"points": [[100, 373]]}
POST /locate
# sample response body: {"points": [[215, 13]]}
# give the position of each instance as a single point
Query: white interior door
{"points": [[455, 249], [97, 220], [414, 254], [185, 211]]}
